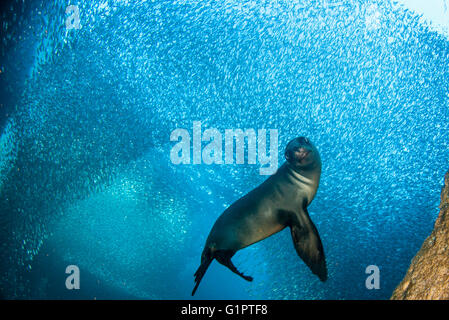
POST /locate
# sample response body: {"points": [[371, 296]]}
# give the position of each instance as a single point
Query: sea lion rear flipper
{"points": [[206, 259], [308, 244], [224, 257]]}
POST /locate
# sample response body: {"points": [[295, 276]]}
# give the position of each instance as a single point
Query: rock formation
{"points": [[428, 275]]}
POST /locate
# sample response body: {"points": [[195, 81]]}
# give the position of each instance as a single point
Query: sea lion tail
{"points": [[206, 260]]}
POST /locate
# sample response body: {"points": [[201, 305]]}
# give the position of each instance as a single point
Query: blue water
{"points": [[85, 170]]}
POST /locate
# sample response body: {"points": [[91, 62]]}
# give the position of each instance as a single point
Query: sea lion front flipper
{"points": [[308, 244]]}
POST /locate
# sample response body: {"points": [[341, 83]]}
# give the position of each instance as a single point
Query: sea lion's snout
{"points": [[301, 153], [297, 155], [298, 150]]}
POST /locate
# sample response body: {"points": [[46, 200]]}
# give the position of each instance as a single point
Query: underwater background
{"points": [[85, 122]]}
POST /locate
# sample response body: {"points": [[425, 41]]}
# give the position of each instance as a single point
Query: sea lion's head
{"points": [[301, 154]]}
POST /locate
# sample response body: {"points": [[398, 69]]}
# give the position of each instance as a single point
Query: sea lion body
{"points": [[263, 211], [280, 201]]}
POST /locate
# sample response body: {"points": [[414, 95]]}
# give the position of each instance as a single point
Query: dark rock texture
{"points": [[428, 275]]}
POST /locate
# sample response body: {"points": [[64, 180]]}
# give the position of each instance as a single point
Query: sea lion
{"points": [[280, 201]]}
